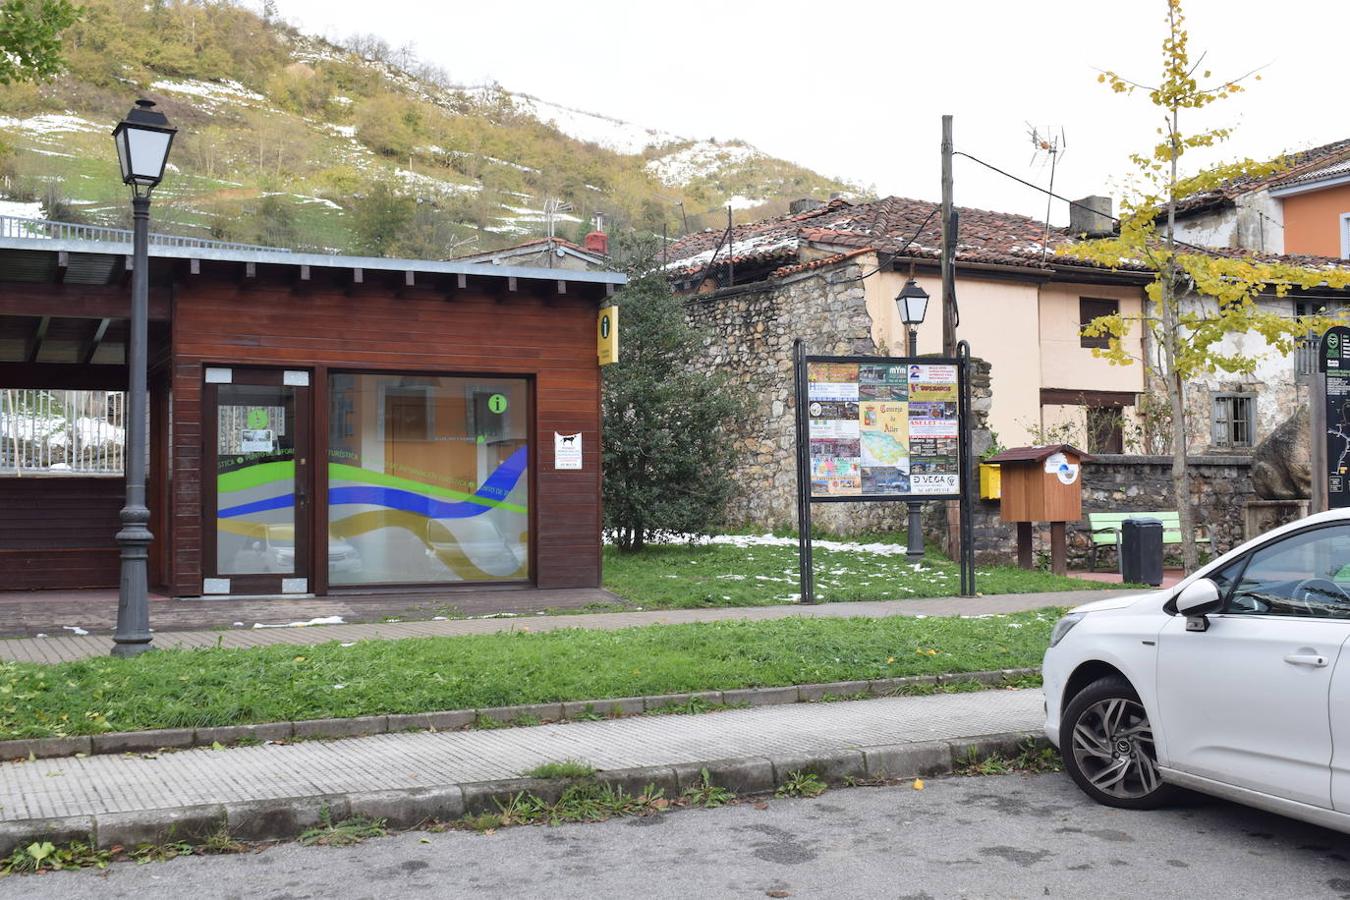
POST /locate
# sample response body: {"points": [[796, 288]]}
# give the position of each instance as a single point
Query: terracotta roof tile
{"points": [[1300, 163], [784, 271], [890, 225]]}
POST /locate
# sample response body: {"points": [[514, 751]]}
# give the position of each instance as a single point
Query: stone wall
{"points": [[749, 336], [749, 333], [1221, 486]]}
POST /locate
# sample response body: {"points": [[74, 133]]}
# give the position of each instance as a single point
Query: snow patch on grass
{"points": [[322, 620], [21, 210], [607, 131], [698, 160], [207, 90], [55, 123]]}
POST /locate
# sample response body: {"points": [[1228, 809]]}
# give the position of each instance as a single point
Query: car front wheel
{"points": [[1107, 744]]}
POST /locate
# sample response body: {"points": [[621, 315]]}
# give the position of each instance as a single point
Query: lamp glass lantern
{"points": [[912, 303], [143, 139]]}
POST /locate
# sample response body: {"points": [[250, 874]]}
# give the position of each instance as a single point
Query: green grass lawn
{"points": [[180, 688], [666, 576]]}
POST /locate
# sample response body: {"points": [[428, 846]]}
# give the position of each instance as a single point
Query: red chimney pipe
{"points": [[598, 242]]}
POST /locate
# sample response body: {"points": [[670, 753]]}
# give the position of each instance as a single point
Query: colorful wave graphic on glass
{"points": [[427, 511]]}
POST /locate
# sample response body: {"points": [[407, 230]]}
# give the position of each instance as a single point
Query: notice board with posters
{"points": [[883, 428], [875, 428]]}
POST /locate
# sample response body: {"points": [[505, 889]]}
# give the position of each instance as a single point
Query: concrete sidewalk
{"points": [[65, 648], [274, 791]]}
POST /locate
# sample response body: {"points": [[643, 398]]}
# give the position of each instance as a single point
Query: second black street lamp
{"points": [[143, 139], [912, 304]]}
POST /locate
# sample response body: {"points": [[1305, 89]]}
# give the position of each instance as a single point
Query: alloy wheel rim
{"points": [[1112, 744]]}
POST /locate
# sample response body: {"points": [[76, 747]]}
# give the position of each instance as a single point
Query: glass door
{"points": [[256, 482]]}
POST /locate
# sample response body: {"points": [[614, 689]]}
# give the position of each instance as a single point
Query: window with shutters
{"points": [[1234, 420]]}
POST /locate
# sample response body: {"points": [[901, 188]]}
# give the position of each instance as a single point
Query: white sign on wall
{"points": [[566, 451]]}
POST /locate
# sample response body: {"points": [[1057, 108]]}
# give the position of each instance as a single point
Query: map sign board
{"points": [[1334, 360], [883, 429]]}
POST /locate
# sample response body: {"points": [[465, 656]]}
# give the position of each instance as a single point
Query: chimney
{"points": [[1092, 216], [597, 241], [804, 204]]}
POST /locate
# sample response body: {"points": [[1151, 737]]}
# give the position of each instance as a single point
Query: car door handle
{"points": [[1314, 660]]}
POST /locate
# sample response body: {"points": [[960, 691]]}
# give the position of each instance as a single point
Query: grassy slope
{"points": [[225, 687], [680, 576], [231, 149]]}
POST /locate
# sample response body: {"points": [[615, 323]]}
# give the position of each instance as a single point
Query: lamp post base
{"points": [[914, 531], [133, 636]]}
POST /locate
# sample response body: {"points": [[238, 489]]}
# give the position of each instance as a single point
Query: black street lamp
{"points": [[143, 139], [912, 304]]}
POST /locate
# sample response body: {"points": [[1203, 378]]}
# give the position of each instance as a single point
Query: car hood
{"points": [[1120, 602]]}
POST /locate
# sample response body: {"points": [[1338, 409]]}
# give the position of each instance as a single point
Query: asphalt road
{"points": [[994, 837]]}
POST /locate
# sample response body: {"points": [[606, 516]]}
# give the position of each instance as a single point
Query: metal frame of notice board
{"points": [[805, 497]]}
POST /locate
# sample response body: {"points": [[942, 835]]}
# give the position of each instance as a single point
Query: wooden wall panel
{"points": [[59, 532], [550, 339]]}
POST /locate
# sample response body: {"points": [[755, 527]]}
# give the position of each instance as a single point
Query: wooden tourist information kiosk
{"points": [[339, 424], [1042, 484]]}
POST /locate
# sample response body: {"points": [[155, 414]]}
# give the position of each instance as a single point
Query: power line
{"points": [[1205, 250], [1036, 187]]}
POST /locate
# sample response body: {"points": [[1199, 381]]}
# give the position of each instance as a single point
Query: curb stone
{"points": [[909, 760], [159, 826], [449, 720], [282, 819], [267, 820], [832, 768], [408, 809]]}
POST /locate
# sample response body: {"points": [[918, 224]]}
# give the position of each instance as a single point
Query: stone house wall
{"points": [[748, 339]]}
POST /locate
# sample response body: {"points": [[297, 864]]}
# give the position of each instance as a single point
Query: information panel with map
{"points": [[1334, 360], [881, 430]]}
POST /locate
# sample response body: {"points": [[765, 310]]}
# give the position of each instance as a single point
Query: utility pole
{"points": [[948, 245], [731, 251], [949, 307]]}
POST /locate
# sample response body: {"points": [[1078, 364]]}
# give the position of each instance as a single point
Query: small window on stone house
{"points": [[1234, 420], [1090, 309], [1106, 429]]}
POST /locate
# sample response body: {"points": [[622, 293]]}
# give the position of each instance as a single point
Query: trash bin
{"points": [[1141, 551]]}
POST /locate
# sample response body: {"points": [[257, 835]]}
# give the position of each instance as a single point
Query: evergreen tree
{"points": [[380, 217], [668, 458]]}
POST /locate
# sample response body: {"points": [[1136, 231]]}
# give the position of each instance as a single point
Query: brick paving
{"points": [[29, 613], [65, 646], [108, 784]]}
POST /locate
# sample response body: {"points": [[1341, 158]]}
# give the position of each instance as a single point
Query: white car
{"points": [[1233, 683]]}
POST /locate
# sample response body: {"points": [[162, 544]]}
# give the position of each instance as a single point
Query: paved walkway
{"points": [[29, 613], [104, 785], [66, 646]]}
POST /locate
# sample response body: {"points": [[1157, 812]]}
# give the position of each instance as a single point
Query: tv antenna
{"points": [[1047, 148], [552, 207]]}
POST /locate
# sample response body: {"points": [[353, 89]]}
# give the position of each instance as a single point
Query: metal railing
{"points": [[45, 229], [62, 432]]}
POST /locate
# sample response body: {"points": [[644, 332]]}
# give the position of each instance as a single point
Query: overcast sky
{"points": [[857, 90]]}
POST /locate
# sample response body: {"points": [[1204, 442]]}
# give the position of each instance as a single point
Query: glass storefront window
{"points": [[428, 479], [255, 481]]}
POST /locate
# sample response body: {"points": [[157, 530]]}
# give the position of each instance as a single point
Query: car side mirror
{"points": [[1197, 600]]}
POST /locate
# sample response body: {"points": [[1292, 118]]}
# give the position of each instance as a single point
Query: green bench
{"points": [[1105, 530]]}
